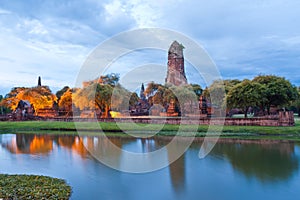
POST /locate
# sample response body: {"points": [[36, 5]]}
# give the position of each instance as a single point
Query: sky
{"points": [[52, 39]]}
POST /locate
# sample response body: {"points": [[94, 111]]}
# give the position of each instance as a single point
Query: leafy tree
{"points": [[3, 108], [104, 94], [61, 92], [110, 79], [65, 102], [197, 89], [11, 101], [134, 98], [279, 91], [40, 97], [245, 95], [216, 92], [296, 103]]}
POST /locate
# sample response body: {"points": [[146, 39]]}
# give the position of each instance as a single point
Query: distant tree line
{"points": [[258, 94], [105, 94]]}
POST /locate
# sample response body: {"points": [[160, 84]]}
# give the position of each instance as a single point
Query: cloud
{"points": [[53, 38]]}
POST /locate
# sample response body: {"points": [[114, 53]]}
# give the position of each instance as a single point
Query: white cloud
{"points": [[244, 38], [4, 12]]}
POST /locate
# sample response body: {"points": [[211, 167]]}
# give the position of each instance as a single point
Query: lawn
{"points": [[112, 128]]}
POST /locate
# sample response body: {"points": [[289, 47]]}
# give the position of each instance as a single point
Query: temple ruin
{"points": [[176, 72]]}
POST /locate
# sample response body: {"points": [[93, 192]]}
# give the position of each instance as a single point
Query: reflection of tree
{"points": [[30, 144], [267, 162]]}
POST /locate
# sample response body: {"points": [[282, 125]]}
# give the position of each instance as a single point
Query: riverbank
{"points": [[112, 129], [33, 187]]}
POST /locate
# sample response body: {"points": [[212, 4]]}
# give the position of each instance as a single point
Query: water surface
{"points": [[265, 170]]}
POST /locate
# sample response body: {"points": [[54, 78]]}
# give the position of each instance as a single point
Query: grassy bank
{"points": [[165, 130], [33, 187]]}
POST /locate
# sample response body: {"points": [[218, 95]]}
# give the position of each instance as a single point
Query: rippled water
{"points": [[233, 170]]}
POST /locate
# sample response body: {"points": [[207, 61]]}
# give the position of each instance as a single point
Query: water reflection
{"points": [[266, 161], [43, 144]]}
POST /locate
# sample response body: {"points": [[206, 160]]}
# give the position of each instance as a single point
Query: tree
{"points": [[3, 108], [65, 102], [61, 92], [11, 101], [245, 95], [216, 92], [103, 95], [134, 98], [296, 103], [197, 89], [40, 97], [279, 92]]}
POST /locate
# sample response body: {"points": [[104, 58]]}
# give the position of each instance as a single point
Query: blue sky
{"points": [[53, 38]]}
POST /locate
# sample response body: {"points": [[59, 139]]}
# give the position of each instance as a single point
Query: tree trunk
{"points": [[246, 112], [106, 111], [268, 109]]}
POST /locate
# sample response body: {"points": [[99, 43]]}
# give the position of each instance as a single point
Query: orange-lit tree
{"points": [[65, 102], [40, 97]]}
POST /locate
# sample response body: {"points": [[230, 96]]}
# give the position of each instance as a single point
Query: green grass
{"points": [[112, 129], [33, 187]]}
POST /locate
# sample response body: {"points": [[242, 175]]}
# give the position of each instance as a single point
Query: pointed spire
{"points": [[39, 82], [142, 95]]}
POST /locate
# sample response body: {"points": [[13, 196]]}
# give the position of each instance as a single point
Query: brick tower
{"points": [[176, 73]]}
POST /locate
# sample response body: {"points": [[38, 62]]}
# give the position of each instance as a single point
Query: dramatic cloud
{"points": [[53, 38]]}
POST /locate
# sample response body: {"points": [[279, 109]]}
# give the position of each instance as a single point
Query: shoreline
{"points": [[112, 129]]}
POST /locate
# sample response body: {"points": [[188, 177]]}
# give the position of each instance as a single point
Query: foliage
{"points": [[134, 98], [216, 92], [65, 102], [245, 94], [278, 92], [40, 97], [33, 187], [59, 93], [3, 108], [104, 94], [185, 97]]}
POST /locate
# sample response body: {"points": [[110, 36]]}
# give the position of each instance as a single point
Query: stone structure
{"points": [[23, 111], [39, 82], [283, 119], [142, 106], [176, 73], [170, 111]]}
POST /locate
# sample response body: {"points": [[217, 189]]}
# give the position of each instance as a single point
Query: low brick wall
{"points": [[283, 119]]}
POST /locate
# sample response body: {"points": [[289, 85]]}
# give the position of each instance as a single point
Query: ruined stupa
{"points": [[176, 73]]}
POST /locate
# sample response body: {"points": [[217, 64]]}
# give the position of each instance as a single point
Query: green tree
{"points": [[279, 91], [134, 98], [245, 95]]}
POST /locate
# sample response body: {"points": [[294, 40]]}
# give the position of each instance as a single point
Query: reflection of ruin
{"points": [[177, 168], [177, 173]]}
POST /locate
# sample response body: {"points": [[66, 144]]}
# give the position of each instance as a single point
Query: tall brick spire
{"points": [[176, 73]]}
